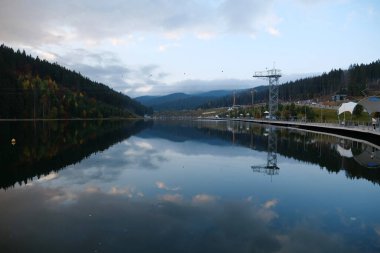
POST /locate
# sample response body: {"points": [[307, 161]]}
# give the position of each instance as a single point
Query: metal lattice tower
{"points": [[271, 167], [273, 76]]}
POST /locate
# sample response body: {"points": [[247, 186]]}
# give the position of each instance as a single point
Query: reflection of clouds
{"points": [[270, 203], [51, 176], [163, 186], [109, 165], [204, 199], [304, 239], [100, 218], [377, 229], [63, 197], [127, 191], [92, 189], [175, 198], [144, 145], [122, 191], [141, 154], [265, 213]]}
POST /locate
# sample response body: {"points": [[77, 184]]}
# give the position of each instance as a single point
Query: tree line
{"points": [[34, 88], [357, 80]]}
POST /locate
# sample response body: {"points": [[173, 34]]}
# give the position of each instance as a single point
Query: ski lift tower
{"points": [[273, 75]]}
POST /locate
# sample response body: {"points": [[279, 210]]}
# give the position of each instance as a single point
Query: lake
{"points": [[185, 186]]}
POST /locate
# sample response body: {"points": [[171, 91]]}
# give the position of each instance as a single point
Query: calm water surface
{"points": [[185, 187]]}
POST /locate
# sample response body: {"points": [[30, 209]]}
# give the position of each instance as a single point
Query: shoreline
{"points": [[361, 133]]}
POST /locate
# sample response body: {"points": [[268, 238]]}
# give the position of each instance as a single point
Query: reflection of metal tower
{"points": [[271, 167], [273, 75]]}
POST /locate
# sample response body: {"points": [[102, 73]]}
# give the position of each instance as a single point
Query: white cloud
{"points": [[165, 47], [144, 145], [270, 203], [175, 198], [54, 21], [92, 189], [205, 35], [246, 16], [64, 197], [273, 31], [49, 177], [163, 186], [143, 89], [204, 199], [127, 191]]}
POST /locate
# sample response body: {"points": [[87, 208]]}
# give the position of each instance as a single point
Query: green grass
{"points": [[330, 115]]}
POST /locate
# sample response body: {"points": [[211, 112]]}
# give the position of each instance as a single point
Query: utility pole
{"points": [[273, 75]]}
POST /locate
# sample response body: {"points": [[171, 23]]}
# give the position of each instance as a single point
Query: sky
{"points": [[157, 47]]}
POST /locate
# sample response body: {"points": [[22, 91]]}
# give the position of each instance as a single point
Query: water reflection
{"points": [[45, 147], [188, 187], [95, 221], [357, 158], [270, 168]]}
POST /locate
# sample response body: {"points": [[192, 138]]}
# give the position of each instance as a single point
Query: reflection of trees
{"points": [[310, 147], [43, 147]]}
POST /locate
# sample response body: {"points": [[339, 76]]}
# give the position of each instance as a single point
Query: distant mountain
{"points": [[215, 93], [34, 88], [258, 94], [181, 101], [155, 100]]}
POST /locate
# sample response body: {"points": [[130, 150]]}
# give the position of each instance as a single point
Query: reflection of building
{"points": [[368, 156], [271, 167]]}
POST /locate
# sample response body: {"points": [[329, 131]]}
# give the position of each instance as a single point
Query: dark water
{"points": [[185, 187]]}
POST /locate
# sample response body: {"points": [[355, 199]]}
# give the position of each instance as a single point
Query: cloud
{"points": [[64, 197], [106, 67], [204, 199], [50, 176], [273, 31], [144, 145], [163, 186], [127, 191], [53, 21], [246, 16], [92, 189], [174, 198], [270, 203], [165, 47]]}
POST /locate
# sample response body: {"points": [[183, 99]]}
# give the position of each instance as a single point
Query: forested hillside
{"points": [[181, 101], [34, 88], [355, 81], [358, 80]]}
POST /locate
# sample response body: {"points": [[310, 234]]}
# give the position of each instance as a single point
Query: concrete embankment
{"points": [[366, 133]]}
